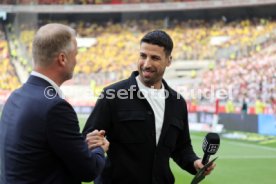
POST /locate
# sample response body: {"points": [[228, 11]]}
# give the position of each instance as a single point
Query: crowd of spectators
{"points": [[249, 79], [117, 43], [250, 74], [8, 77]]}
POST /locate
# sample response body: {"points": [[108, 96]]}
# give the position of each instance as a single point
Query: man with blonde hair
{"points": [[40, 140]]}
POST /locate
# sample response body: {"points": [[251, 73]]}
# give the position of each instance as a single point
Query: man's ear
{"points": [[170, 61], [61, 59]]}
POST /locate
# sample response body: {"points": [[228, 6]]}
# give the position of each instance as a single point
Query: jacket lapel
{"points": [[169, 108], [169, 103], [167, 116]]}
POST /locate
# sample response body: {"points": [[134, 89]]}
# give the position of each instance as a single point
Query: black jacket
{"points": [[133, 157]]}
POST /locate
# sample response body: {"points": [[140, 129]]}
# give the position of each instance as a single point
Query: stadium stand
{"points": [[197, 40], [8, 76], [250, 77], [208, 52]]}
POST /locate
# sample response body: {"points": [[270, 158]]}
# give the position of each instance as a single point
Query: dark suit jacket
{"points": [[40, 140], [133, 157]]}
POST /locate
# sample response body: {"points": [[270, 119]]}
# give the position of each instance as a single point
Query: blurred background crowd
{"points": [[240, 53]]}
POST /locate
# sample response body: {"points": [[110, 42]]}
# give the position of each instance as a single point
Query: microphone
{"points": [[210, 146]]}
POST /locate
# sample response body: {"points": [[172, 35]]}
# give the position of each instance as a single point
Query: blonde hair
{"points": [[50, 40]]}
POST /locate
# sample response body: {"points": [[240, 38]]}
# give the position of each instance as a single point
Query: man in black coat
{"points": [[145, 121], [40, 139]]}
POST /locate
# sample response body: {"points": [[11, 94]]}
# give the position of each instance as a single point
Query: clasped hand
{"points": [[97, 138]]}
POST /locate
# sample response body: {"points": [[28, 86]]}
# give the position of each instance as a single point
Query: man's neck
{"points": [[157, 85], [50, 74]]}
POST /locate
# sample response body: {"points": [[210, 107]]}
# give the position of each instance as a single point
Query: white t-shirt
{"points": [[156, 99]]}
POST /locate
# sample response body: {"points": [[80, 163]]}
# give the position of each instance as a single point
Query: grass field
{"points": [[239, 162]]}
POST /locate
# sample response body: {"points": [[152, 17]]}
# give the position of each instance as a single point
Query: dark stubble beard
{"points": [[68, 76], [151, 81]]}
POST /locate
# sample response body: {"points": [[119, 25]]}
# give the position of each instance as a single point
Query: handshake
{"points": [[97, 138]]}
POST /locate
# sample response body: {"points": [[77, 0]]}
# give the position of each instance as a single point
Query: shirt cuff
{"points": [[99, 150]]}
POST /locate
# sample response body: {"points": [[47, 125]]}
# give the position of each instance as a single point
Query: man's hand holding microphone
{"points": [[210, 146]]}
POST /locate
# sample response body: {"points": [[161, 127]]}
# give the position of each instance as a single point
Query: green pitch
{"points": [[239, 162]]}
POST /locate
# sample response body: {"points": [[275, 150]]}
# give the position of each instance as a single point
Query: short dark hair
{"points": [[160, 38]]}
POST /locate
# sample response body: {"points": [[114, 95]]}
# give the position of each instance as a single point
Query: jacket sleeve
{"points": [[69, 145], [100, 118], [183, 153]]}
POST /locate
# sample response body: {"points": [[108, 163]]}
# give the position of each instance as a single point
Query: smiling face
{"points": [[152, 64]]}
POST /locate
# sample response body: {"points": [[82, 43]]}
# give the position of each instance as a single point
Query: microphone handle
{"points": [[205, 159]]}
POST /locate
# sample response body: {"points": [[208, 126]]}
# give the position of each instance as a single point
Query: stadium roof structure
{"points": [[141, 7]]}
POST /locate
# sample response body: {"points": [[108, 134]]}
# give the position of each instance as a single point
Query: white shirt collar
{"points": [[55, 86], [151, 92]]}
